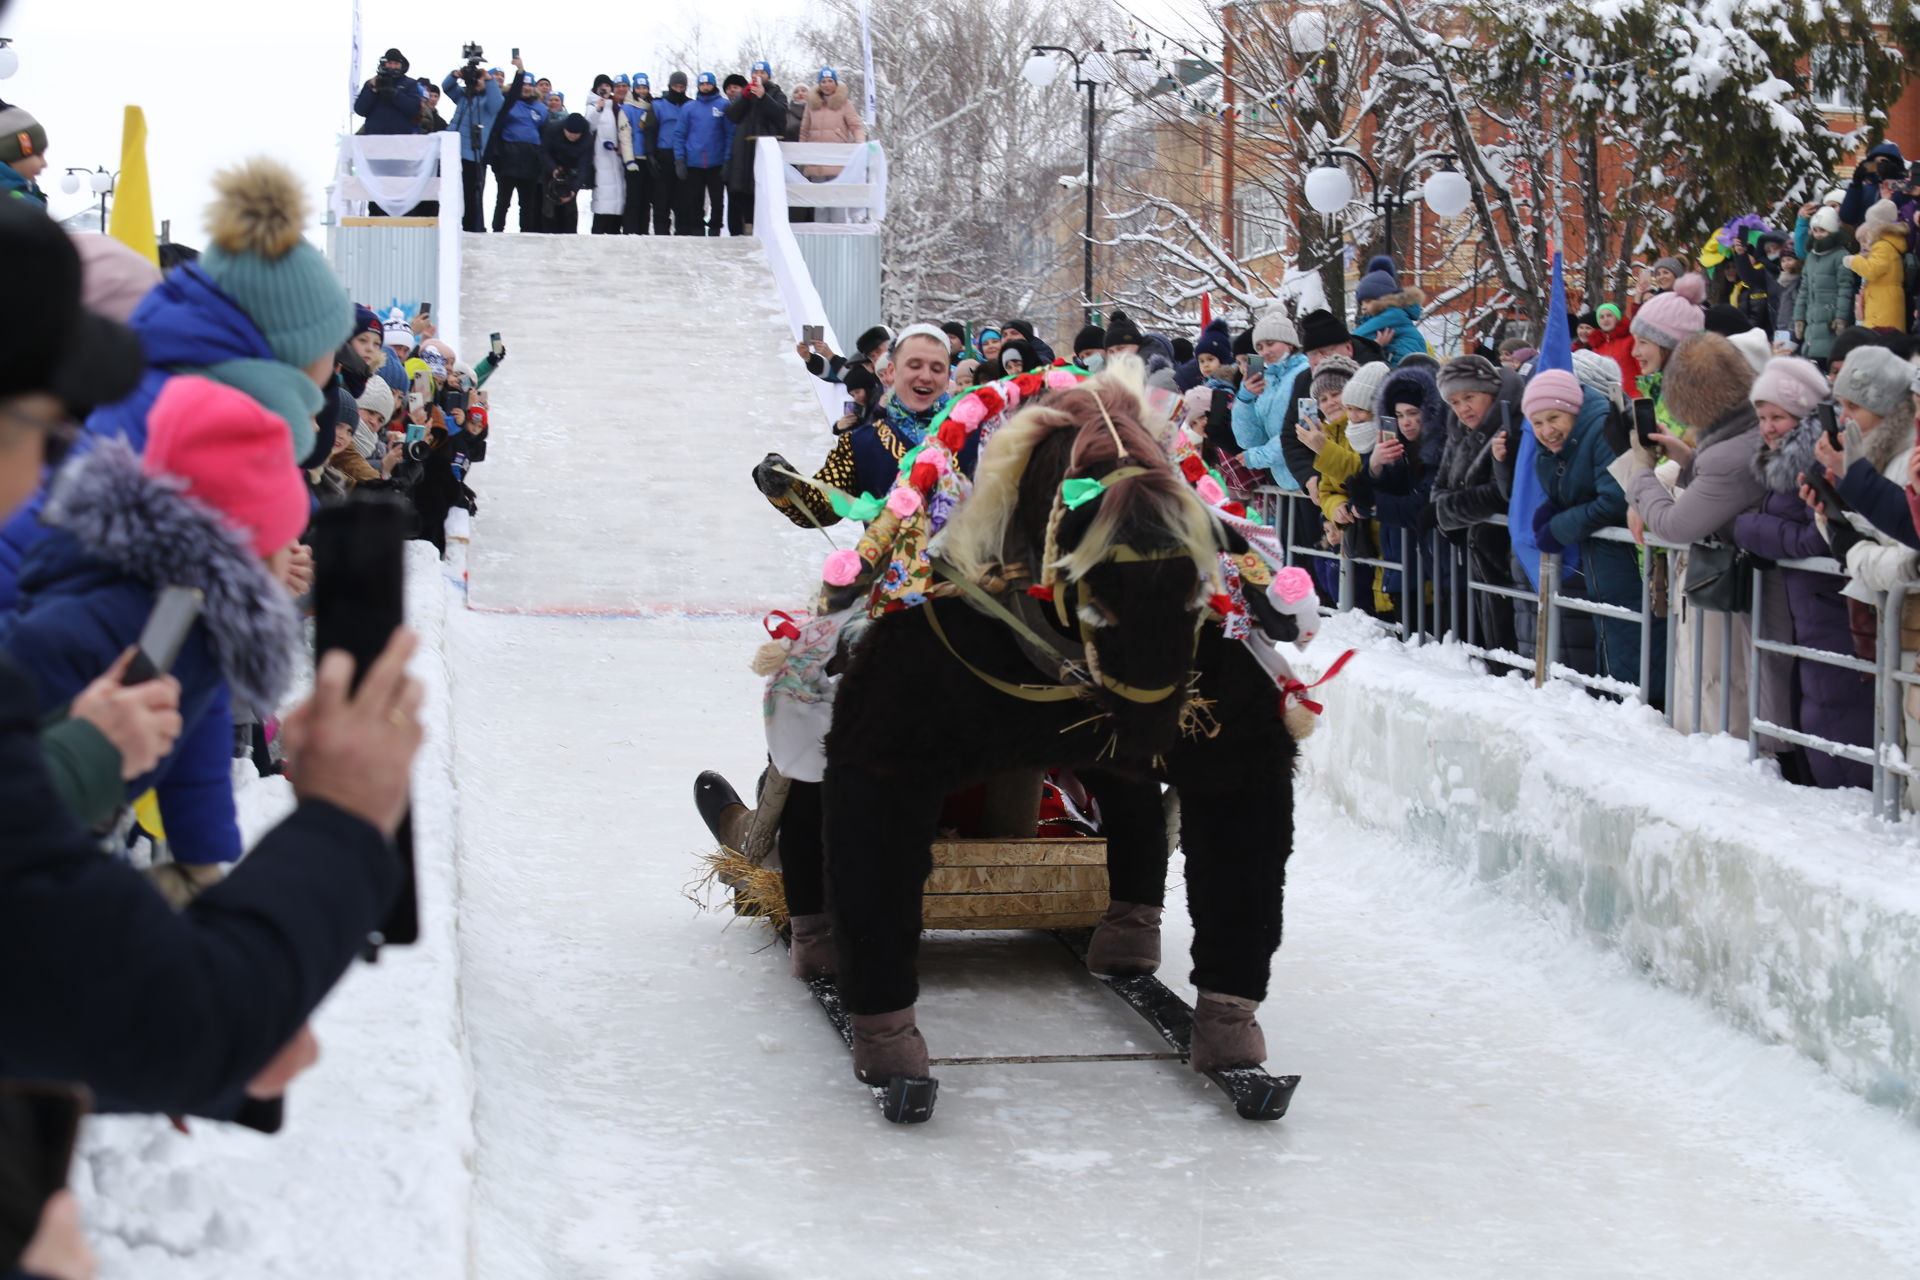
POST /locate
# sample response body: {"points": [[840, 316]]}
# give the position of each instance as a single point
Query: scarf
{"points": [[284, 391], [908, 425]]}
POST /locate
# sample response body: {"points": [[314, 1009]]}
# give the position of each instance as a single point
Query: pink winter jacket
{"points": [[830, 118]]}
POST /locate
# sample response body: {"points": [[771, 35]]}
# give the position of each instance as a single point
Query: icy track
{"points": [[579, 1074]]}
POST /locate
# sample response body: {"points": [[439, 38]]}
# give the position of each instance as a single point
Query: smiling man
{"points": [[866, 459]]}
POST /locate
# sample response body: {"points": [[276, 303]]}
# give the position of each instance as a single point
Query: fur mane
{"points": [[1156, 509]]}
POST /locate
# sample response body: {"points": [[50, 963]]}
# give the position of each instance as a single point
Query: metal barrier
{"points": [[1453, 601]]}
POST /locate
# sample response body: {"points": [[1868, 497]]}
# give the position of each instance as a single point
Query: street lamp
{"points": [[1329, 190], [100, 181], [9, 60], [1040, 71]]}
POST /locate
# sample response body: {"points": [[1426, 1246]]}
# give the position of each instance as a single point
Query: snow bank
{"points": [[1792, 911], [370, 1175]]}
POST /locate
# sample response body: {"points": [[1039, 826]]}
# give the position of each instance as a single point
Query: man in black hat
{"points": [[566, 161], [1088, 343], [390, 102]]}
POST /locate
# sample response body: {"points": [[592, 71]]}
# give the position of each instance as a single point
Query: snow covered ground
{"points": [[580, 1074]]}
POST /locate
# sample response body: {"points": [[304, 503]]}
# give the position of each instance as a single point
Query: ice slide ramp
{"points": [[642, 372]]}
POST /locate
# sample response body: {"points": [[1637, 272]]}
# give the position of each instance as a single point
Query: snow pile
{"points": [[370, 1175], [1792, 911]]}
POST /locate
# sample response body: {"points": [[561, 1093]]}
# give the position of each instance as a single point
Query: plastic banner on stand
{"points": [[866, 60], [396, 170]]}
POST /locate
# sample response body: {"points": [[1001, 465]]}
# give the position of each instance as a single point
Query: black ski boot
{"points": [[720, 807]]}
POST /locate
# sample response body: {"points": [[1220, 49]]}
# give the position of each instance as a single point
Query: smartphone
{"points": [[1388, 433], [426, 309], [516, 52], [172, 619], [1823, 489], [1308, 409], [39, 1123], [1644, 423], [1829, 423], [493, 339], [849, 409], [813, 333], [1783, 337], [359, 598], [1256, 364]]}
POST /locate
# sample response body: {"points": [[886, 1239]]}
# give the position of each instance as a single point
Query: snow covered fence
{"points": [[1792, 911]]}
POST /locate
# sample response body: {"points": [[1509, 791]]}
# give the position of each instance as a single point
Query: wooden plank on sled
{"points": [[1077, 851], [1006, 880], [938, 907], [1063, 920]]}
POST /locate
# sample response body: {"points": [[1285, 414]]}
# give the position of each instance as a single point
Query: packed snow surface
{"points": [[581, 1074]]}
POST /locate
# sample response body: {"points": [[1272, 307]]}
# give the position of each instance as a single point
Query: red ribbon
{"points": [[1296, 691], [786, 630], [1041, 593]]}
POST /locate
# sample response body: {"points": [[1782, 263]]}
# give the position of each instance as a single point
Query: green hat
{"points": [[20, 135], [1606, 307], [260, 257]]}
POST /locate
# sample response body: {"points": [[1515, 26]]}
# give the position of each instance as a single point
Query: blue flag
{"points": [[1556, 352]]}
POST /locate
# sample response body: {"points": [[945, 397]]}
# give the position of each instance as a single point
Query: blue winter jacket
{"points": [[186, 323], [521, 121], [1863, 195], [85, 592], [1404, 321], [705, 139], [1587, 498], [671, 116], [396, 112], [636, 122], [473, 112], [15, 186], [1257, 423]]}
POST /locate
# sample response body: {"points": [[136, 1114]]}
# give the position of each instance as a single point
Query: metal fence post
{"points": [[1886, 711], [1753, 666], [1546, 621], [1674, 600], [1646, 627], [1726, 673]]}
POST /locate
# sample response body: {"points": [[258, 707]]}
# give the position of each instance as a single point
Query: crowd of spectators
{"points": [[184, 430], [677, 164]]}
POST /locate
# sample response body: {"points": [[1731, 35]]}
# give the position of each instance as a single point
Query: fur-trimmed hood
{"points": [[1779, 467], [1705, 382], [1433, 410], [1411, 299], [146, 528]]}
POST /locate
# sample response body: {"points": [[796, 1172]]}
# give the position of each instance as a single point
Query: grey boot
{"points": [[887, 1045], [811, 947], [1126, 942], [1225, 1033]]}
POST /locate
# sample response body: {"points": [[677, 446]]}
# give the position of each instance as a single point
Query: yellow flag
{"points": [[133, 196]]}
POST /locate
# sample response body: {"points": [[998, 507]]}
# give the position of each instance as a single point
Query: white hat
{"points": [[377, 398], [1835, 198], [1756, 346], [397, 332], [1363, 388], [1275, 327]]}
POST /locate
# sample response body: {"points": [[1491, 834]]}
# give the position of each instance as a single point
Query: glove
{"points": [[609, 145], [1866, 171], [1841, 536], [680, 168], [1543, 529], [767, 477], [633, 166], [1837, 326], [1428, 520], [498, 351]]}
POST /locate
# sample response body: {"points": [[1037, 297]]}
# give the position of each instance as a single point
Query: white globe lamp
{"points": [[9, 61], [1040, 70], [70, 183], [101, 181], [1328, 189], [1447, 193]]}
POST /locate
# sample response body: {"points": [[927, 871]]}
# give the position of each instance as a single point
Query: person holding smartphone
{"points": [[177, 1012]]}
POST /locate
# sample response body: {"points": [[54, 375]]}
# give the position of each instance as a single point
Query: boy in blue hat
{"points": [[701, 151]]}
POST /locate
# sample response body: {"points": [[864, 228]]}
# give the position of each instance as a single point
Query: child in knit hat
{"points": [[23, 155], [215, 504], [1392, 319], [1880, 264], [1661, 324]]}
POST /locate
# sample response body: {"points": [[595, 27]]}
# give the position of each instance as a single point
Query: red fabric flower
{"points": [[1237, 509], [953, 435], [923, 477], [995, 402], [1192, 468]]}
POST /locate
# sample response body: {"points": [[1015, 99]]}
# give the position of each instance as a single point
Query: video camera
{"points": [[470, 71]]}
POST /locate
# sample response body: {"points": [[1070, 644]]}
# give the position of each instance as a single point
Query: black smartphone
{"points": [[1823, 489], [168, 626], [493, 339], [1644, 423], [39, 1123], [1257, 363], [426, 309], [1829, 423], [516, 53], [848, 408], [359, 599]]}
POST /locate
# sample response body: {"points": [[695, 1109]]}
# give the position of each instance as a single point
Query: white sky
{"points": [[221, 80]]}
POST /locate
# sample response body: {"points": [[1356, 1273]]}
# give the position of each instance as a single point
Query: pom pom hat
{"points": [[260, 257], [1875, 379], [1668, 318], [234, 457], [1792, 383], [1552, 389]]}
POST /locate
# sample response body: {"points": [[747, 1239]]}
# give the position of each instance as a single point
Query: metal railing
{"points": [[1453, 596]]}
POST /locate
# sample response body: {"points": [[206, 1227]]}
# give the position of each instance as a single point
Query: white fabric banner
{"points": [[353, 65], [396, 170], [866, 59]]}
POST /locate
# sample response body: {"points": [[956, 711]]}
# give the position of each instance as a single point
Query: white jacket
{"points": [[609, 125]]}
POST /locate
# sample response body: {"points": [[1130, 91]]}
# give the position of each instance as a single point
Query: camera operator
{"points": [[390, 102], [513, 149], [566, 160], [477, 100]]}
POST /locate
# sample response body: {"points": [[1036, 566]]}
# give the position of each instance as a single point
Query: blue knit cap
{"points": [[827, 73], [622, 79], [260, 257], [640, 77], [706, 77], [763, 65]]}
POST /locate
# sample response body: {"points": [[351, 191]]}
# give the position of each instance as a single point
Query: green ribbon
{"points": [[863, 508], [1078, 493]]}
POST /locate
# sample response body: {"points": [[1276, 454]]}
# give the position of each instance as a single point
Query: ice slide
{"points": [[581, 1076]]}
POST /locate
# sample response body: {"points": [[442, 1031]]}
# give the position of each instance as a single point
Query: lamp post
{"points": [[1040, 71], [99, 180], [1328, 188], [9, 60]]}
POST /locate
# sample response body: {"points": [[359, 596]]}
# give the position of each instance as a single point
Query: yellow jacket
{"points": [[1336, 462], [1883, 273]]}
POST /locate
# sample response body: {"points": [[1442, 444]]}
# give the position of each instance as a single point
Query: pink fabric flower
{"points": [[1210, 491], [1292, 584], [841, 569], [903, 502]]}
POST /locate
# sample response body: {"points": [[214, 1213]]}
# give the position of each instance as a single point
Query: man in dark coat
{"points": [[1475, 480], [759, 112], [390, 103], [513, 149], [566, 166]]}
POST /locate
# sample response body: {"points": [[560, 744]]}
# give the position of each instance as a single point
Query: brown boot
{"points": [[811, 947], [887, 1045], [1225, 1033], [1126, 942]]}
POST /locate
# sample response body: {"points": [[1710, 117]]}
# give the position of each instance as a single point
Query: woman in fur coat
{"points": [[215, 504], [830, 117]]}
